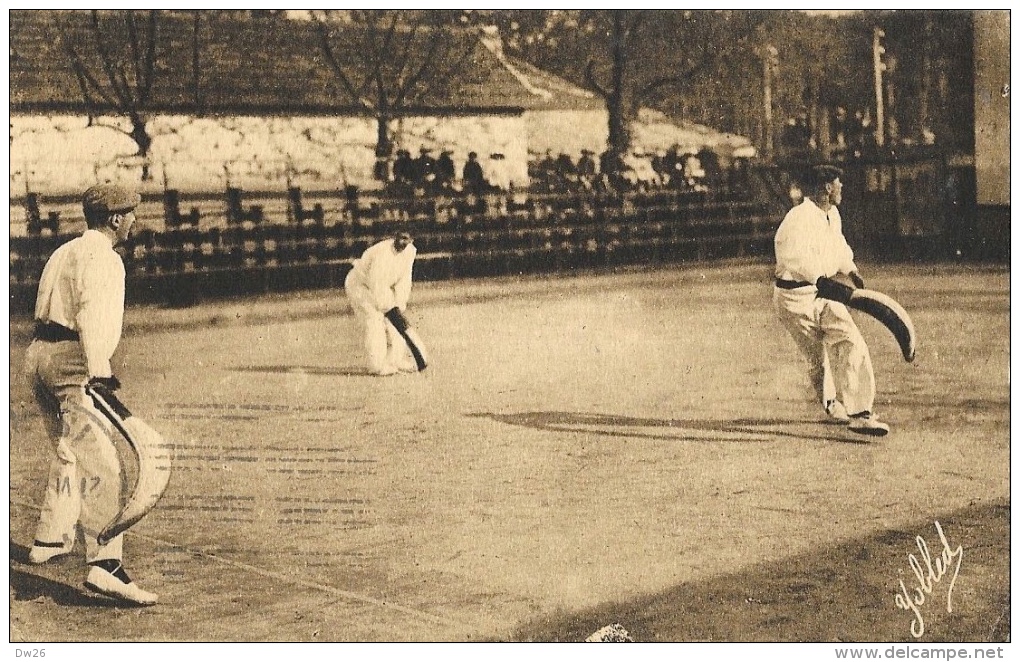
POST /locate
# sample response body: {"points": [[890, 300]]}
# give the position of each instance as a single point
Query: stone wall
{"points": [[567, 131], [61, 154]]}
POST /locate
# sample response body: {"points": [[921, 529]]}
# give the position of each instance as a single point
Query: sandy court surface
{"points": [[578, 442]]}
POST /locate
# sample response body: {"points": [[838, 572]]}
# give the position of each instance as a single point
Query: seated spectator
{"points": [[473, 176], [587, 170], [424, 169], [545, 171], [381, 170], [566, 173], [709, 161], [403, 171], [445, 171]]}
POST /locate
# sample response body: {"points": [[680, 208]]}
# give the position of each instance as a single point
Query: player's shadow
{"points": [[840, 591], [28, 587], [738, 430], [317, 370]]}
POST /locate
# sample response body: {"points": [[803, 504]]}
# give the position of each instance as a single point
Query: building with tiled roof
{"points": [[254, 104], [245, 66]]}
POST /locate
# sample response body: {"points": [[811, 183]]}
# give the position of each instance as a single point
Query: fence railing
{"points": [[251, 252]]}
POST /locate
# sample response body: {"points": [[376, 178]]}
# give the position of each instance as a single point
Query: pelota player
{"points": [[79, 314], [810, 251], [379, 282]]}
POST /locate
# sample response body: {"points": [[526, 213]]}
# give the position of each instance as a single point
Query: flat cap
{"points": [[110, 199]]}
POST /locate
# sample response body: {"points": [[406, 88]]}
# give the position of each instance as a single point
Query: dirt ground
{"points": [[636, 448]]}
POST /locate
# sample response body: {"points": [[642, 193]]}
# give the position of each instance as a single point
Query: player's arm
{"points": [[377, 279], [101, 316], [402, 288], [845, 253]]}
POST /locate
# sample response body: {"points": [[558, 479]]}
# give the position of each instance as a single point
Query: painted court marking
{"points": [[324, 588]]}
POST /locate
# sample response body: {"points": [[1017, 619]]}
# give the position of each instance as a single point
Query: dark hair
{"points": [[97, 218], [820, 175]]}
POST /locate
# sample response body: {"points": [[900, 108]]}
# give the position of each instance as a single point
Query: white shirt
{"points": [[82, 288], [386, 274], [810, 244]]}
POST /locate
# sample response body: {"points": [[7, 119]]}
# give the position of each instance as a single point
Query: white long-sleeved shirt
{"points": [[386, 274], [82, 288], [810, 244]]}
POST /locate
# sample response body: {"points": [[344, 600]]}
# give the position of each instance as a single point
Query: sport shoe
{"points": [[407, 366], [867, 423], [836, 412], [42, 552], [118, 585]]}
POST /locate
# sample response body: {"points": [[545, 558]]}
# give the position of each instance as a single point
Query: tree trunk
{"points": [[384, 144], [616, 103], [140, 134]]}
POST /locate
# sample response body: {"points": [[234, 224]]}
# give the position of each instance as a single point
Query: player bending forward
{"points": [[78, 315], [810, 250], [379, 282]]}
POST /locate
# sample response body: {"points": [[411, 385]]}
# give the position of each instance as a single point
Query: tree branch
{"points": [[441, 82], [408, 89], [633, 28], [589, 76], [86, 80], [136, 55], [371, 57], [708, 58], [150, 60], [405, 57], [337, 69], [122, 94]]}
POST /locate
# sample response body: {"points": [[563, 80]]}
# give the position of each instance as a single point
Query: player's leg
{"points": [[798, 315], [373, 327], [852, 369], [90, 473], [398, 355], [100, 477], [58, 517]]}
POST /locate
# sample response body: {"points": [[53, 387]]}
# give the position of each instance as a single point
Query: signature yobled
{"points": [[929, 572]]}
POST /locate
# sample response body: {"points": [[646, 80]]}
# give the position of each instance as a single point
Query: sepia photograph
{"points": [[510, 326]]}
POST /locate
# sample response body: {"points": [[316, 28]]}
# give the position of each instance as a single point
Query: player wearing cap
{"points": [[810, 250], [79, 314], [379, 281]]}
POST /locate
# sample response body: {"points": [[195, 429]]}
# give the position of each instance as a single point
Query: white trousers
{"points": [[839, 363], [85, 477], [385, 349]]}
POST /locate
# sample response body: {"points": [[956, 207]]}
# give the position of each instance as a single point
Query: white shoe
{"points": [[867, 423], [386, 371], [42, 552], [836, 412], [118, 586], [408, 366]]}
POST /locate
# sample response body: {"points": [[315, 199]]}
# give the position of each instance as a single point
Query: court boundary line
{"points": [[324, 588]]}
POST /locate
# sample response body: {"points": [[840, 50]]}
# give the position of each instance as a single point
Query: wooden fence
{"points": [[308, 249]]}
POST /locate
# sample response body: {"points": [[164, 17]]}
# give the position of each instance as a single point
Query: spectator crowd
{"points": [[677, 168]]}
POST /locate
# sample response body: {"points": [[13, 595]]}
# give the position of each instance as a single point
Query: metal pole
{"points": [[877, 50], [768, 62]]}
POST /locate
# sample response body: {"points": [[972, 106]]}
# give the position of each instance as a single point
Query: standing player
{"points": [[79, 314], [379, 282], [810, 250]]}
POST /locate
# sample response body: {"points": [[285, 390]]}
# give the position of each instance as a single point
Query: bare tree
{"points": [[625, 24], [643, 44], [114, 58], [388, 61]]}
